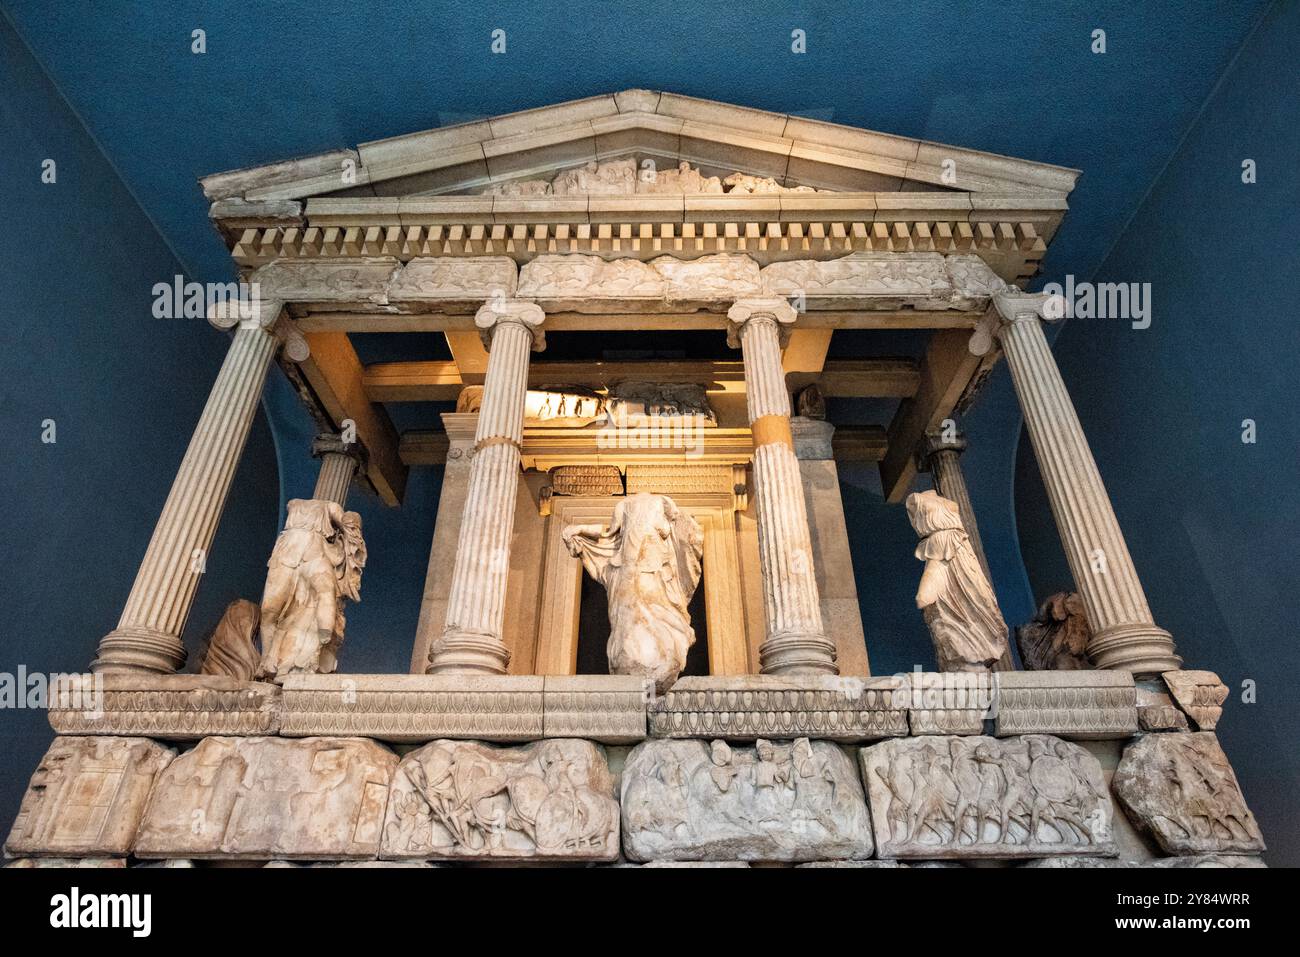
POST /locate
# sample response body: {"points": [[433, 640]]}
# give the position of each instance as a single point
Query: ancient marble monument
{"points": [[658, 492]]}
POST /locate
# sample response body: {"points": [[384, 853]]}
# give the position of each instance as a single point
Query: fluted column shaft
{"points": [[796, 641], [471, 638], [148, 635], [1125, 635], [339, 462]]}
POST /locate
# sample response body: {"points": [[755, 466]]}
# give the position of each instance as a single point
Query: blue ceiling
{"points": [[294, 77]]}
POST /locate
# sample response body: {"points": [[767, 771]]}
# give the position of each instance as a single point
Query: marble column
{"points": [[339, 462], [471, 638], [1125, 635], [148, 635], [941, 456], [796, 641]]}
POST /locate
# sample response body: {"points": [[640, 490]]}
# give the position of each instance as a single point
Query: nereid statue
{"points": [[315, 565], [954, 596], [649, 560]]}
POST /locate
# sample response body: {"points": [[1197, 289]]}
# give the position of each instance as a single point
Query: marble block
{"points": [[1181, 789], [170, 707], [688, 800], [1199, 693], [463, 800], [260, 798], [1071, 704], [749, 707], [949, 702], [86, 797], [414, 708], [981, 797], [606, 708]]}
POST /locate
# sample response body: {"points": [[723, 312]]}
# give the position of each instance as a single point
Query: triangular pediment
{"points": [[641, 174], [655, 130]]}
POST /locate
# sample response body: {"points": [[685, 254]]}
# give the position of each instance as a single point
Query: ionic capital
{"points": [[941, 440], [1016, 306], [267, 315], [744, 311], [496, 312], [327, 444]]}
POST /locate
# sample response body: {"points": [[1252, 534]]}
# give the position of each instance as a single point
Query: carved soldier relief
{"points": [[954, 796], [954, 596], [649, 560], [545, 801], [315, 565]]}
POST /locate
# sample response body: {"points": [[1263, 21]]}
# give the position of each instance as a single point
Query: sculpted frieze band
{"points": [[587, 283]]}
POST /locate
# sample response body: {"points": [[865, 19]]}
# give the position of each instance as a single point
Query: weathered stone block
{"points": [[462, 800], [87, 796], [749, 707], [1181, 789], [259, 798], [414, 708], [1071, 704], [691, 801], [951, 702], [170, 707], [1199, 693], [981, 797]]}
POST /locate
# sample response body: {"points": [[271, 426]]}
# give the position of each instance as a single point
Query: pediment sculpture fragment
{"points": [[314, 568], [649, 560]]}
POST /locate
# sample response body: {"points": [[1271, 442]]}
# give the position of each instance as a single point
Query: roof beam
{"points": [[441, 381], [946, 371], [642, 322], [335, 374]]}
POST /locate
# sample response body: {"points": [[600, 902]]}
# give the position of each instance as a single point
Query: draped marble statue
{"points": [[315, 565], [231, 648], [954, 596], [1057, 637], [649, 560]]}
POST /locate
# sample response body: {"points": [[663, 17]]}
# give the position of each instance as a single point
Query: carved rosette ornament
{"points": [[796, 640], [1124, 633]]}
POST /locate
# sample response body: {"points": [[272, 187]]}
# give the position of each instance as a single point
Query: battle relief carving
{"points": [[691, 800], [625, 177], [315, 565], [1056, 639], [944, 797], [261, 798], [649, 560], [551, 800], [578, 283], [1181, 789], [954, 596]]}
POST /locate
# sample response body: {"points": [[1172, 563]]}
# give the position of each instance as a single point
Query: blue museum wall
{"points": [[1212, 521], [79, 346]]}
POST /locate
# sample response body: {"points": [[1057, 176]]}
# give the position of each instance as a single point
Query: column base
{"points": [[133, 649], [797, 654], [468, 653], [1142, 648]]}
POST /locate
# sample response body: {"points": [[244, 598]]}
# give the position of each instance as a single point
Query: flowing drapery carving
{"points": [[649, 560], [954, 596], [315, 565]]}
